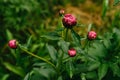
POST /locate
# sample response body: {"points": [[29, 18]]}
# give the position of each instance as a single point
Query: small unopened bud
{"points": [[92, 35], [71, 52], [61, 12], [12, 44]]}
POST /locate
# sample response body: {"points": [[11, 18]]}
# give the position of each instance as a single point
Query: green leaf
{"points": [[28, 76], [102, 70], [92, 65], [9, 35], [60, 29], [46, 72], [116, 34], [5, 77], [89, 27], [36, 46], [116, 40], [64, 45], [52, 52], [116, 2], [17, 70], [76, 38], [29, 41], [115, 68], [115, 21], [105, 7], [83, 76], [52, 36], [97, 50], [107, 43], [40, 64], [81, 68], [33, 75], [60, 78], [91, 75], [70, 68]]}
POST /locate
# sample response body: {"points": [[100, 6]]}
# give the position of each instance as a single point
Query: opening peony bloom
{"points": [[69, 21], [71, 52], [61, 12], [12, 44], [92, 35]]}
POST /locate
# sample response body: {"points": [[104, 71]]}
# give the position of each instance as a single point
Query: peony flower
{"points": [[69, 21]]}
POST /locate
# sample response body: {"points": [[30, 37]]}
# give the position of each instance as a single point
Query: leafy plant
{"points": [[62, 54]]}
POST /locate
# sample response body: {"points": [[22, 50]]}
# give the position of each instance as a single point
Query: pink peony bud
{"points": [[69, 21], [61, 12], [72, 52], [92, 35], [12, 44]]}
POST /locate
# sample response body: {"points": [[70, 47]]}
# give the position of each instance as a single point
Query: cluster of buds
{"points": [[68, 20]]}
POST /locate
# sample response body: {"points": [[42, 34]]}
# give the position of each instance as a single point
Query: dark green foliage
{"points": [[26, 21], [116, 2]]}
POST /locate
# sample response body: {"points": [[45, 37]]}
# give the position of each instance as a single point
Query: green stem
{"points": [[86, 44], [71, 68], [60, 63], [38, 57], [66, 35], [66, 59]]}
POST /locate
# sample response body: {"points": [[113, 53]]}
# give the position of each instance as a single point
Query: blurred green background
{"points": [[19, 19]]}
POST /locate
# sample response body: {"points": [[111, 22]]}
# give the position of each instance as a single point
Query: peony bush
{"points": [[73, 57], [95, 59]]}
